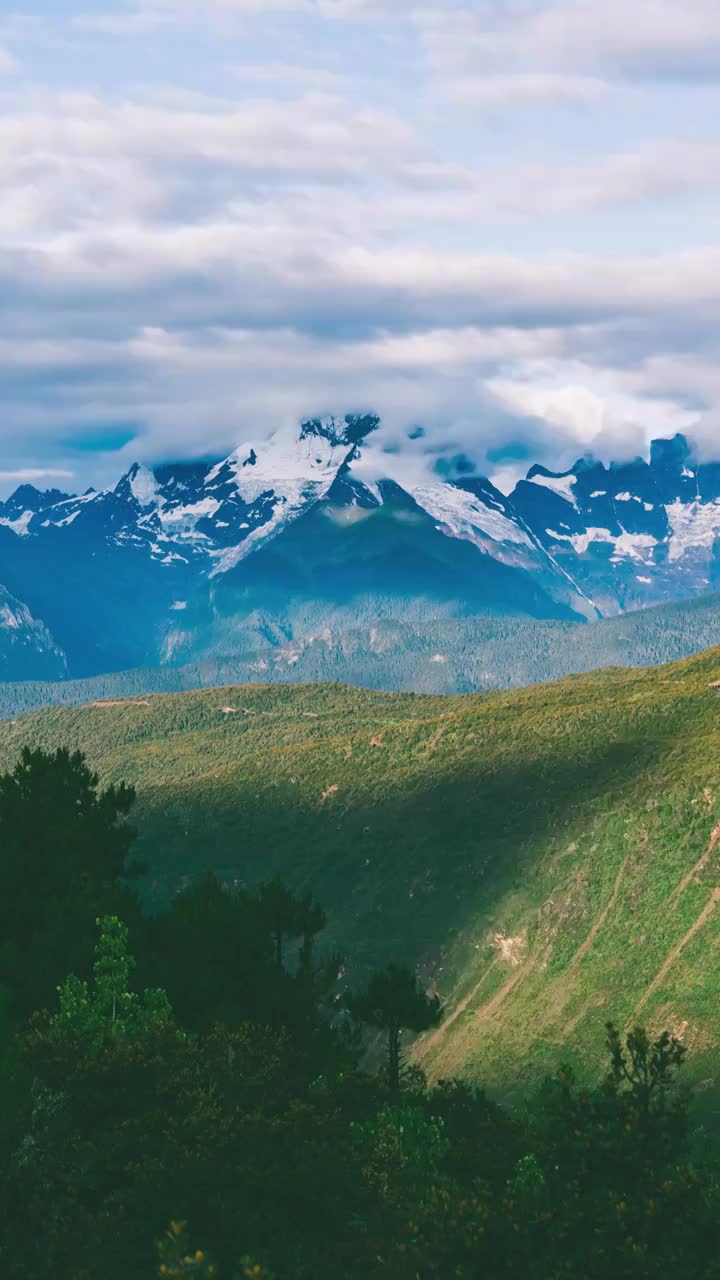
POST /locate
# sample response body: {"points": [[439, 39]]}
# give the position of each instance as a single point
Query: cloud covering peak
{"points": [[496, 220]]}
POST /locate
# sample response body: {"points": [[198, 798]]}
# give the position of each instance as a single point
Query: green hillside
{"points": [[547, 856]]}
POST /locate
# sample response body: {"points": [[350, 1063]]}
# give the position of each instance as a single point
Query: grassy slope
{"points": [[530, 849]]}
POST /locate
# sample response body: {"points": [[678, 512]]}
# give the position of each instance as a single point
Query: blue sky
{"points": [[498, 218]]}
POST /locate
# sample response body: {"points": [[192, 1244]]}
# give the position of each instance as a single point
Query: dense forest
{"points": [[188, 1094], [411, 653]]}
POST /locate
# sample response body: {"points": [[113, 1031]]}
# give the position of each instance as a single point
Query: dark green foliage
{"points": [[289, 918], [607, 1185], [264, 1137], [212, 953], [224, 1131], [177, 1258], [480, 839], [93, 1013], [64, 846], [479, 1132], [218, 953], [393, 1002], [644, 1068]]}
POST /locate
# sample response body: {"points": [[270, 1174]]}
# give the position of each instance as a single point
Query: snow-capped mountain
{"points": [[285, 537], [631, 534], [217, 512]]}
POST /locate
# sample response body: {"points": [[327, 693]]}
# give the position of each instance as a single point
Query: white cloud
{"points": [[526, 87], [9, 64], [286, 75], [591, 405], [542, 37], [649, 38], [319, 174], [73, 160], [151, 15], [24, 475], [330, 230]]}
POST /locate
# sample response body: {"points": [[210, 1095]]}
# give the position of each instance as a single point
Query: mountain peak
{"points": [[673, 454], [28, 498], [138, 483], [537, 469], [352, 429]]}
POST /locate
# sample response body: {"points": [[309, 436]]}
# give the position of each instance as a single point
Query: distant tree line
{"points": [[405, 651]]}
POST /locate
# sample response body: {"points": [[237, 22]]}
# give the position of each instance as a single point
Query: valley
{"points": [[413, 655]]}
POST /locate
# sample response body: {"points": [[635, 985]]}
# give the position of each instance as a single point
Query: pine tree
{"points": [[393, 1002], [64, 847], [108, 1008]]}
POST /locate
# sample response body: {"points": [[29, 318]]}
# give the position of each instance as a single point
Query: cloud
{"points": [[79, 173], [590, 405], [9, 64], [448, 212], [77, 169], [155, 14], [208, 270], [286, 76], [473, 38], [526, 87], [233, 274], [647, 40], [149, 15], [197, 389], [23, 475]]}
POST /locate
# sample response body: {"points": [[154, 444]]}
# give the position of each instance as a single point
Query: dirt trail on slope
{"points": [[675, 952], [495, 1001], [120, 702], [491, 1006], [586, 945], [712, 846], [698, 924], [459, 1009]]}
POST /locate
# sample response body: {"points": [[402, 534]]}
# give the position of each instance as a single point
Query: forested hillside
{"points": [[543, 855], [193, 1097], [415, 655]]}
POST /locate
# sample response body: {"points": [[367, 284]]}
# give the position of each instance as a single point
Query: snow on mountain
{"points": [[144, 487], [27, 650], [600, 523], [463, 514], [20, 525], [110, 571], [468, 507], [561, 484], [587, 523], [280, 478], [694, 526]]}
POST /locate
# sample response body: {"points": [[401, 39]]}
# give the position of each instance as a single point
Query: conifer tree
{"points": [[393, 1002], [64, 847], [289, 917], [107, 1008]]}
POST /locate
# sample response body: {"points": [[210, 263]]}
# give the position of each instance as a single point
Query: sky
{"points": [[496, 219]]}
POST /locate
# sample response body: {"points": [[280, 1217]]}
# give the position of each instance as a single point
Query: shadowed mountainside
{"points": [[546, 856]]}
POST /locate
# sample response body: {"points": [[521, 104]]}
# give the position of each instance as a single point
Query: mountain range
{"points": [[286, 544]]}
